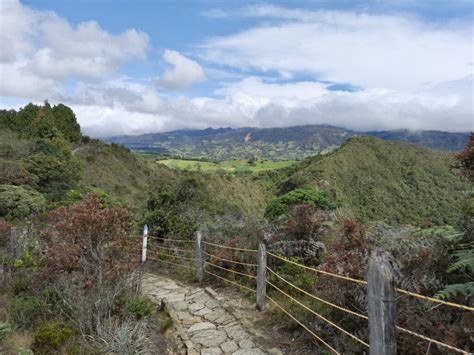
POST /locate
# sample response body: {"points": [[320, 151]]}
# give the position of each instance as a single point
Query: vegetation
{"points": [[226, 165], [78, 203], [276, 144]]}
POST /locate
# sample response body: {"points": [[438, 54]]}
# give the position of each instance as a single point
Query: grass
{"points": [[226, 165]]}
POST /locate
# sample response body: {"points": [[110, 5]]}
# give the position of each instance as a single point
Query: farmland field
{"points": [[226, 165]]}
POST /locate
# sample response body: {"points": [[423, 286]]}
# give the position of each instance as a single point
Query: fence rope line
{"points": [[175, 249], [172, 240], [231, 248], [317, 298], [302, 325], [319, 315], [174, 256], [230, 281], [347, 278], [362, 282], [450, 347], [230, 270], [169, 262], [435, 300], [228, 260]]}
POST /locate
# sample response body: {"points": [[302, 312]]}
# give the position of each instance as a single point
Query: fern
{"points": [[454, 290], [465, 261]]}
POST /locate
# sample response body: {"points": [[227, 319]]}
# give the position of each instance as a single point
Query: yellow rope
{"points": [[169, 262], [362, 282], [174, 249], [172, 240], [431, 299], [174, 256], [304, 326], [230, 270], [318, 315], [228, 260], [229, 281], [433, 340], [231, 248], [317, 298]]}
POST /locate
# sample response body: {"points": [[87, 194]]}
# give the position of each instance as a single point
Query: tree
{"points": [[18, 202], [89, 256]]}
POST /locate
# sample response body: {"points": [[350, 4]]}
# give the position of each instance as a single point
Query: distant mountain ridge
{"points": [[295, 142]]}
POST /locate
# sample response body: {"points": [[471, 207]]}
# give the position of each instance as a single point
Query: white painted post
{"points": [[199, 258], [381, 307], [145, 242], [261, 277]]}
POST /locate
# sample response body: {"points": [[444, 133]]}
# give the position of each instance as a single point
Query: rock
{"points": [[201, 326], [202, 312], [229, 346], [248, 352], [237, 333], [209, 338], [211, 351], [246, 344], [275, 351]]}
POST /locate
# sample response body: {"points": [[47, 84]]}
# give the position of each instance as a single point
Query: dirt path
{"points": [[207, 323]]}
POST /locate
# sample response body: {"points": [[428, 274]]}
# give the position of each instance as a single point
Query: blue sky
{"points": [[129, 67]]}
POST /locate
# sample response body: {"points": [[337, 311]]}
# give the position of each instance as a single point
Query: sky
{"points": [[132, 67]]}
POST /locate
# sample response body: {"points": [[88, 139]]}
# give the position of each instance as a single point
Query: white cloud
{"points": [[40, 50], [393, 52], [124, 107], [185, 72]]}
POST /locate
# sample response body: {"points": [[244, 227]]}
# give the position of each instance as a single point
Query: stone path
{"points": [[206, 323]]}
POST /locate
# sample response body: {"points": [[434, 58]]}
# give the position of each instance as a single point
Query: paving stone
{"points": [[211, 351], [246, 344], [237, 333], [196, 307], [202, 312], [229, 346], [249, 352], [209, 338], [212, 304], [201, 326]]}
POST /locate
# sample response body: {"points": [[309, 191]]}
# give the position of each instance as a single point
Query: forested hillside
{"points": [[79, 204], [277, 144], [391, 181]]}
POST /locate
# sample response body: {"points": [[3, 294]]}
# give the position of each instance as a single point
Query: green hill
{"points": [[286, 143], [392, 181]]}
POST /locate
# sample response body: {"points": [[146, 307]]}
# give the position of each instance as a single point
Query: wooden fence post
{"points": [[199, 258], [261, 277], [381, 307], [145, 242], [13, 244]]}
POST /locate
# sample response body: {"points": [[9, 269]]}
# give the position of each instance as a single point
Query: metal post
{"points": [[199, 257], [381, 307], [145, 242], [261, 277]]}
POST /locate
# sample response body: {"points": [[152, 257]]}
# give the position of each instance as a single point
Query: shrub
{"points": [[140, 307], [51, 336], [24, 311], [5, 330], [18, 202], [279, 207]]}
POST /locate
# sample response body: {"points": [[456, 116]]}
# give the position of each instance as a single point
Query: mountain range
{"points": [[295, 142]]}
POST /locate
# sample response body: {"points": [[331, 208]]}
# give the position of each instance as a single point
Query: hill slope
{"points": [[391, 181], [286, 143]]}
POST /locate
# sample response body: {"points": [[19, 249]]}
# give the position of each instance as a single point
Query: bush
{"points": [[24, 311], [18, 202], [51, 336], [279, 207], [140, 307], [5, 330]]}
